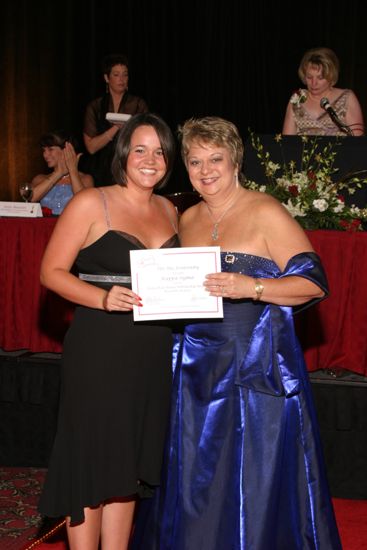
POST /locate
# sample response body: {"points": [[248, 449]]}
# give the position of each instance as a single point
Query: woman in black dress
{"points": [[116, 374], [100, 134]]}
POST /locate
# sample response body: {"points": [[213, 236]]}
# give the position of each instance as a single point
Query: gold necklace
{"points": [[215, 234]]}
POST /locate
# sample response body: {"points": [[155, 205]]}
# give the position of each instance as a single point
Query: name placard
{"points": [[20, 209]]}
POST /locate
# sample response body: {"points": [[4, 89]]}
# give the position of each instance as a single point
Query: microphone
{"points": [[325, 104]]}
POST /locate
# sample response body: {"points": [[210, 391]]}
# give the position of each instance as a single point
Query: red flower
{"points": [[355, 224], [46, 211], [311, 175], [293, 189], [341, 198], [352, 225]]}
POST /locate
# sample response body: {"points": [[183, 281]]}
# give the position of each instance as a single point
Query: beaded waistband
{"points": [[105, 278]]}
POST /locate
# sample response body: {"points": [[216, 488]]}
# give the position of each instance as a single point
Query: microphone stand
{"points": [[343, 127]]}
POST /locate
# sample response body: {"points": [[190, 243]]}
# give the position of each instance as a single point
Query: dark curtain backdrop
{"points": [[238, 60]]}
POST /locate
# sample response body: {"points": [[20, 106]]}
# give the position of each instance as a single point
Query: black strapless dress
{"points": [[116, 380]]}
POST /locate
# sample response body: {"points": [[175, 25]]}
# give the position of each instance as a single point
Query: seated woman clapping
{"points": [[55, 189]]}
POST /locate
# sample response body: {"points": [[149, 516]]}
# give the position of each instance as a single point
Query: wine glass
{"points": [[26, 191]]}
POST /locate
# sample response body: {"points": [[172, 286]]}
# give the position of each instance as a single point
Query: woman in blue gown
{"points": [[243, 466]]}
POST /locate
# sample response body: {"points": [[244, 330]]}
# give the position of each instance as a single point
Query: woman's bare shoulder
{"points": [[260, 201], [38, 178], [90, 194], [169, 204], [267, 211], [85, 201]]}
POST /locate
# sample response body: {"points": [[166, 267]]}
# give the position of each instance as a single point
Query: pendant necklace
{"points": [[215, 234]]}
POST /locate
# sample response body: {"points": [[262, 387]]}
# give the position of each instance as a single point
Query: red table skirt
{"points": [[32, 317], [333, 333]]}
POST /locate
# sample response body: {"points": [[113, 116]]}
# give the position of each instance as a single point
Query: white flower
{"points": [[320, 204], [339, 207], [262, 188], [299, 178], [252, 185], [298, 97], [294, 209], [355, 210], [272, 167], [294, 99]]}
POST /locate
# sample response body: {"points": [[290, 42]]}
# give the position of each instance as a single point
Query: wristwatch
{"points": [[259, 289]]}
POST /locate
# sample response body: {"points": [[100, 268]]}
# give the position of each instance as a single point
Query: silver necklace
{"points": [[215, 234]]}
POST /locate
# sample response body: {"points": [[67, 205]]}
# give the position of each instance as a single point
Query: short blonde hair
{"points": [[215, 130], [323, 58]]}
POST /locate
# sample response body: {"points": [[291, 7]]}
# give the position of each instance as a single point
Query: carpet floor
{"points": [[22, 528], [20, 523]]}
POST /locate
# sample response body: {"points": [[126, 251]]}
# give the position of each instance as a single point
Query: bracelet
{"points": [[259, 289]]}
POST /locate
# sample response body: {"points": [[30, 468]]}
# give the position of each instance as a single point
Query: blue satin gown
{"points": [[243, 466]]}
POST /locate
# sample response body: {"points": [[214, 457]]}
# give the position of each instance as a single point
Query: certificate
{"points": [[170, 281]]}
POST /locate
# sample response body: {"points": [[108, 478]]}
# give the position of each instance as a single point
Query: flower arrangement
{"points": [[298, 97], [308, 192]]}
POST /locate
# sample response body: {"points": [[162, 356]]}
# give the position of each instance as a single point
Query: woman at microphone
{"points": [[321, 109]]}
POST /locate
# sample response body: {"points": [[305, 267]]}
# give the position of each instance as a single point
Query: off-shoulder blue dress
{"points": [[243, 467]]}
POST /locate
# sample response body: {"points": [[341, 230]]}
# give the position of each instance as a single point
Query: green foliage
{"points": [[310, 191]]}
